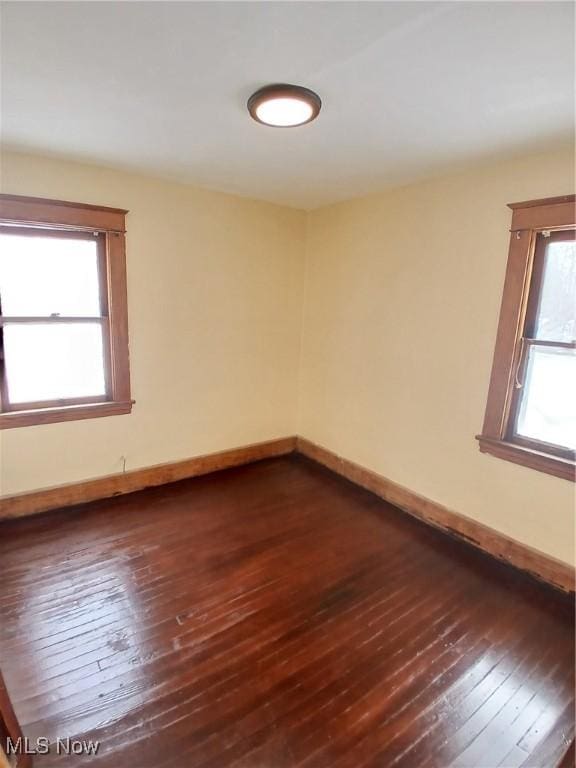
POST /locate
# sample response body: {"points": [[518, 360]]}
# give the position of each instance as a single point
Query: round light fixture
{"points": [[284, 106]]}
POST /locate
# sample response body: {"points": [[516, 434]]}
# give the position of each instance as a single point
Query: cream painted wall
{"points": [[402, 294], [402, 300], [214, 285]]}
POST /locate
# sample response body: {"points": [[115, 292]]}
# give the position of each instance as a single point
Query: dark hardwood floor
{"points": [[275, 616]]}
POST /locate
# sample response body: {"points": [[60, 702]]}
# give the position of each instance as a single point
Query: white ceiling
{"points": [[409, 88]]}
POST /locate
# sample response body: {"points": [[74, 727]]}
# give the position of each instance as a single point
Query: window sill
{"points": [[38, 416], [528, 457]]}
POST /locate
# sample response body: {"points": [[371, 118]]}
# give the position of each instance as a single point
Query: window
{"points": [[531, 412], [63, 314]]}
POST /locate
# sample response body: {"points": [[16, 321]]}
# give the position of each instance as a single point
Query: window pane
{"points": [[53, 361], [548, 407], [556, 319], [48, 275]]}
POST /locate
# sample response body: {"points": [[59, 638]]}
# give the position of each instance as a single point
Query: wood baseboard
{"points": [[487, 539], [135, 480], [500, 546]]}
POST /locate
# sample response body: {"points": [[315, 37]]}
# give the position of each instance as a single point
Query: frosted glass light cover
{"points": [[284, 112], [284, 105]]}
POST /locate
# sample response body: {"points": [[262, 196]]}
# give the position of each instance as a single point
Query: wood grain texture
{"points": [[19, 209], [550, 213], [9, 729], [487, 539], [528, 457], [278, 615], [135, 480], [559, 200], [569, 759], [67, 413], [506, 352], [494, 543]]}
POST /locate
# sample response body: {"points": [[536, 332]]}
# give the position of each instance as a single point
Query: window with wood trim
{"points": [[63, 312], [531, 411]]}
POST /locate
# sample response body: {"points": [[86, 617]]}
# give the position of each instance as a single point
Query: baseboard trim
{"points": [[494, 543], [34, 502], [500, 546]]}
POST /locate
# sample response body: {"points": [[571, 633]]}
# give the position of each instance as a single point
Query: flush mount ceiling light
{"points": [[284, 106]]}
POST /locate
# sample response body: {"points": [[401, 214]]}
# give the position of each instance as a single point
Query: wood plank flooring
{"points": [[275, 616]]}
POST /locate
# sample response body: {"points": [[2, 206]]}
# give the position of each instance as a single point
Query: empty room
{"points": [[287, 384]]}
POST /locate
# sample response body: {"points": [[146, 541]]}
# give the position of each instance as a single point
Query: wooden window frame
{"points": [[517, 314], [59, 218]]}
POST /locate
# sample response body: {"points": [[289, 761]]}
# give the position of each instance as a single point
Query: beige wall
{"points": [[214, 285], [402, 299], [401, 305]]}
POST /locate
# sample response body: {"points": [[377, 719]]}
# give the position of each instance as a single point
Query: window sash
{"points": [[556, 217], [103, 322], [543, 239], [528, 340], [520, 391], [64, 234], [35, 217], [6, 406]]}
